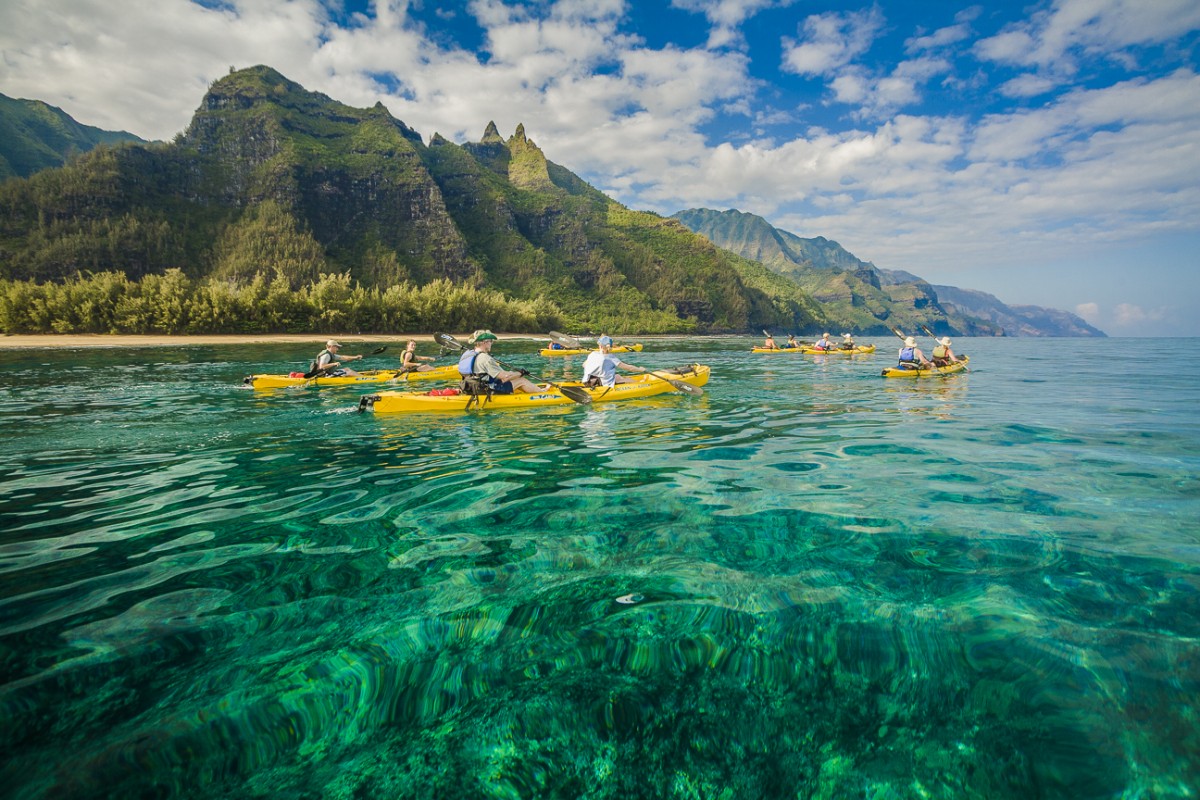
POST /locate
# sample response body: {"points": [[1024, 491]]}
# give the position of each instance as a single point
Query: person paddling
{"points": [[791, 342], [478, 365], [323, 363], [600, 367], [911, 356], [823, 343], [943, 356], [847, 342], [769, 343], [411, 362]]}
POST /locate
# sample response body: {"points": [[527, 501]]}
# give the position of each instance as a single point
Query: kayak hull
{"points": [[632, 348], [442, 373], [644, 385], [809, 350], [935, 372]]}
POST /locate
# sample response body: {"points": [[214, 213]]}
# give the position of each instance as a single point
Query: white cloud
{"points": [[1131, 315], [1089, 312], [726, 16], [831, 41], [944, 37], [1051, 39]]}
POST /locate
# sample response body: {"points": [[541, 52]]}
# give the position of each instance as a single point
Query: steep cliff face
{"points": [[1016, 320], [272, 178], [355, 178], [854, 295]]}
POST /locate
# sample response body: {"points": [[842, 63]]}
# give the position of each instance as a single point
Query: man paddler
{"points": [[479, 363]]}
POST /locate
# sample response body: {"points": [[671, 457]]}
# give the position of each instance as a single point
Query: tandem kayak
{"points": [[932, 372], [442, 373], [644, 385], [844, 351], [547, 351]]}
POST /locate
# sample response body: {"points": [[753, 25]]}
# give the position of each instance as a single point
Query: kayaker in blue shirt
{"points": [[600, 367], [479, 362], [911, 356], [791, 342]]}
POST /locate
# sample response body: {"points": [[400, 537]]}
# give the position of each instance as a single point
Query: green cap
{"points": [[483, 336]]}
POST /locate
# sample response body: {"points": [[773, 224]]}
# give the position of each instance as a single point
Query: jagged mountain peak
{"points": [[491, 135]]}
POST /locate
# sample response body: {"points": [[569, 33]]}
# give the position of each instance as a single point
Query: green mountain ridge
{"points": [[858, 296], [270, 178], [35, 136]]}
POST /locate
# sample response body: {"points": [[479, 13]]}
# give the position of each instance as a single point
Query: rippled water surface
{"points": [[810, 582]]}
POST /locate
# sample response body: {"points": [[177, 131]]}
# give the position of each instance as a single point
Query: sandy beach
{"points": [[42, 341]]}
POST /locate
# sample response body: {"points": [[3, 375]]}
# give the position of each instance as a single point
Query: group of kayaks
{"points": [[687, 379]]}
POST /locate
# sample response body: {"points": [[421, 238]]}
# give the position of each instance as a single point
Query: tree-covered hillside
{"points": [[36, 136], [274, 181]]}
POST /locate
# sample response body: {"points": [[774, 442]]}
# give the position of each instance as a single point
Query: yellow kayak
{"points": [[845, 351], [442, 373], [547, 351], [644, 385], [898, 372]]}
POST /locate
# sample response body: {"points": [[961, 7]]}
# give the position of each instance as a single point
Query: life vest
{"points": [[466, 363], [939, 351], [472, 381], [907, 356], [316, 362]]}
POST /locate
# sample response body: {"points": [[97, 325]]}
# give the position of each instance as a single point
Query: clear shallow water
{"points": [[811, 582]]}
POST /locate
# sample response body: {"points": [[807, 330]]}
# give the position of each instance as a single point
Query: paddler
{"points": [[329, 356], [600, 367], [823, 343], [479, 364], [943, 356], [911, 356], [847, 342], [411, 362]]}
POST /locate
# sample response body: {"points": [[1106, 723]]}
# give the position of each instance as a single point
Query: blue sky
{"points": [[1048, 153]]}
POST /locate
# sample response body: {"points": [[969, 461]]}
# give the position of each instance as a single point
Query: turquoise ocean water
{"points": [[810, 582]]}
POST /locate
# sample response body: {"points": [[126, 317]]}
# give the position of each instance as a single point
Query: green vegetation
{"points": [[272, 189], [171, 303], [35, 136]]}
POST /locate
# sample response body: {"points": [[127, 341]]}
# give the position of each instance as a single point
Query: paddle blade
{"points": [[899, 335], [564, 340], [576, 394], [378, 350], [695, 391], [446, 340]]}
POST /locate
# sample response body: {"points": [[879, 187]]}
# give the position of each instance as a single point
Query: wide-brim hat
{"points": [[944, 341], [910, 342]]}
